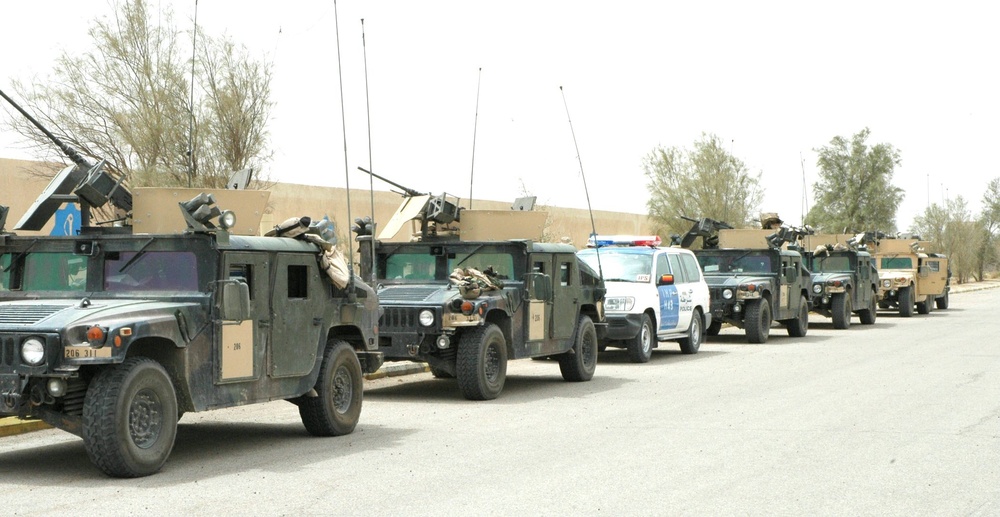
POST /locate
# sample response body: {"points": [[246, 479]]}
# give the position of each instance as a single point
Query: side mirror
{"points": [[665, 280], [539, 286], [234, 301]]}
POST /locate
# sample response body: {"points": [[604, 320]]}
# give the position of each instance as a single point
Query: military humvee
{"points": [[908, 276], [468, 301], [115, 332], [844, 277], [754, 281]]}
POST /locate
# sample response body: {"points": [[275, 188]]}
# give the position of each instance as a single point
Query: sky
{"points": [[564, 99]]}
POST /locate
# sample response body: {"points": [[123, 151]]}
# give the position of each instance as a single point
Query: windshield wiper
{"points": [[467, 257], [19, 256], [141, 252]]}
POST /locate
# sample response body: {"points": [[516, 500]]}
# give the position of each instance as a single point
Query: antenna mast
{"points": [[805, 190], [347, 177], [371, 178], [475, 125], [593, 226], [194, 52]]}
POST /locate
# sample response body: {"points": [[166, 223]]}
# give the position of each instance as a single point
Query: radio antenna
{"points": [[194, 52], [475, 125], [371, 179], [593, 226], [347, 177]]}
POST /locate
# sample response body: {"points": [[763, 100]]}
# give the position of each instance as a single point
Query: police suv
{"points": [[654, 294]]}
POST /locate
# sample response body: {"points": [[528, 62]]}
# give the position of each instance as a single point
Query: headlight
{"points": [[33, 351], [817, 288], [727, 294], [887, 283], [619, 303], [227, 220], [426, 318]]}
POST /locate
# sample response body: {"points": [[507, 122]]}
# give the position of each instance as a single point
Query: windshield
{"points": [[727, 263], [621, 265], [45, 272], [424, 265], [151, 271], [831, 264], [896, 263]]}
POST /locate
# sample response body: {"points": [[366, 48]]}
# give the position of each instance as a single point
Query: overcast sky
{"points": [[774, 80]]}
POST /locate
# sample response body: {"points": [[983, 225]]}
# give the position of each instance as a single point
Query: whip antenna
{"points": [[593, 227], [371, 179], [194, 53], [475, 125], [347, 177]]}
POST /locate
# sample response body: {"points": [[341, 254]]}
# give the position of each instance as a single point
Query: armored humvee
{"points": [[908, 276], [754, 281], [468, 301], [115, 332], [844, 277]]}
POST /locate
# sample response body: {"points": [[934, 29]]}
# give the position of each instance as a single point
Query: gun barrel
{"points": [[409, 191], [686, 218], [70, 152]]}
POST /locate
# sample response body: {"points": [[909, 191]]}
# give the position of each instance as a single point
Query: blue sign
{"points": [[67, 221], [670, 307]]}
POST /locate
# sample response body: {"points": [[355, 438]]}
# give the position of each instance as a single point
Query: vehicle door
{"points": [[566, 292], [685, 284], [241, 351], [298, 301], [699, 289], [788, 302], [933, 273], [668, 312]]}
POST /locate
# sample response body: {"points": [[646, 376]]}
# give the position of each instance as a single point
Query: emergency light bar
{"points": [[599, 241]]}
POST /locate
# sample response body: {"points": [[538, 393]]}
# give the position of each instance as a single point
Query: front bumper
{"points": [[623, 326]]}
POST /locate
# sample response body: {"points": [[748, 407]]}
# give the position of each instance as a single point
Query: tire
{"points": [[482, 363], [868, 315], [942, 302], [841, 309], [579, 364], [130, 418], [714, 328], [640, 347], [691, 343], [924, 307], [800, 325], [905, 297], [337, 407], [758, 320], [439, 373]]}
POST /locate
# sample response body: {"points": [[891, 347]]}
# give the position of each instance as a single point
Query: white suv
{"points": [[654, 294]]}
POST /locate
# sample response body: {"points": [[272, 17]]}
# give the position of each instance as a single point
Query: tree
{"points": [[128, 100], [705, 181], [855, 190], [952, 230], [989, 253]]}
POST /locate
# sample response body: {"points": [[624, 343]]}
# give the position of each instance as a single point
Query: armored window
{"points": [[896, 263], [54, 272], [564, 273], [501, 263], [415, 266], [298, 281], [5, 272], [690, 267], [934, 265], [150, 271], [675, 266], [538, 267], [242, 272]]}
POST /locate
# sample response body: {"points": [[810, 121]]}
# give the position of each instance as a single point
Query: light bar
{"points": [[599, 241]]}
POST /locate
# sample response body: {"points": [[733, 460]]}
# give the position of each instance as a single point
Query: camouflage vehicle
{"points": [[754, 281], [466, 307], [844, 277], [909, 277], [113, 333]]}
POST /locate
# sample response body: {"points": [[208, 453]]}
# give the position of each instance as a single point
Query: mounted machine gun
{"points": [[706, 228]]}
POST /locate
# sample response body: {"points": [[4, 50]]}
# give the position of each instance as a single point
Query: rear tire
{"points": [[942, 302], [714, 328], [841, 309], [640, 347], [579, 364], [336, 409], [691, 343], [482, 363], [867, 316], [800, 325], [905, 297], [758, 320]]}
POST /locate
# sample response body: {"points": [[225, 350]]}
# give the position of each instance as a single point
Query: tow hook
{"points": [[10, 399], [413, 349]]}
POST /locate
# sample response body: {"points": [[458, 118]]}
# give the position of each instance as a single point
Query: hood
{"points": [[56, 314], [819, 278], [416, 294], [734, 281]]}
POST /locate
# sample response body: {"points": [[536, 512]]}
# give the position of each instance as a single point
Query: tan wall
{"points": [[20, 185]]}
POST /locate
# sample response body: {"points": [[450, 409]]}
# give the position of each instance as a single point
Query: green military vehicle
{"points": [[845, 280], [115, 332], [754, 281], [910, 277], [466, 303]]}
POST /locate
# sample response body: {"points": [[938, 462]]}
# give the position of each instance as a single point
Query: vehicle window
{"points": [[934, 265], [738, 263], [832, 264], [415, 266], [298, 281], [690, 267], [564, 273], [621, 266], [661, 266], [502, 263], [151, 271], [243, 272], [675, 266], [5, 272], [897, 263], [53, 272]]}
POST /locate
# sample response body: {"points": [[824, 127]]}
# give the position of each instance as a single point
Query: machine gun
{"points": [[789, 234], [86, 183], [706, 228], [430, 210]]}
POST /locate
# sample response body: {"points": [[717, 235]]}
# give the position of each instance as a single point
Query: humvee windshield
{"points": [[423, 264], [896, 263], [150, 271], [831, 264], [45, 272], [741, 262], [621, 265]]}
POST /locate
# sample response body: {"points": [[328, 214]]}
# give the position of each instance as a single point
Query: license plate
{"points": [[85, 352]]}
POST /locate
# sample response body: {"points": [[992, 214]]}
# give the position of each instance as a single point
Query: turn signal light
{"points": [[96, 335]]}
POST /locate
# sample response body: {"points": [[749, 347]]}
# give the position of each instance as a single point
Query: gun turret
{"points": [[406, 191], [706, 228], [789, 234]]}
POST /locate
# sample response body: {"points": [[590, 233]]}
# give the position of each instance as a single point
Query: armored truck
{"points": [[467, 301], [753, 281], [844, 277], [910, 277]]}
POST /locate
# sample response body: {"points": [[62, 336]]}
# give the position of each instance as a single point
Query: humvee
{"points": [[115, 332], [467, 301], [754, 281], [908, 276], [844, 277]]}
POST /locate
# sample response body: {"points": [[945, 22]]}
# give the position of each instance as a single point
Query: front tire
{"points": [[905, 296], [942, 302], [841, 309], [579, 364], [482, 363], [130, 418], [800, 325], [691, 343], [337, 408], [640, 347], [714, 328], [758, 320], [868, 315]]}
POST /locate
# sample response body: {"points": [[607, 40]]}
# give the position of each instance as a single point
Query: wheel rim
{"points": [[646, 340], [343, 390], [589, 349], [492, 362], [695, 337], [145, 418]]}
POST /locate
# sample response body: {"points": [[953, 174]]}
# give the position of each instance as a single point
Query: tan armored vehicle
{"points": [[908, 276]]}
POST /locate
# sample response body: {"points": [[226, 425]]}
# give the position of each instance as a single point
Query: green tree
{"points": [[128, 100], [952, 230], [855, 190], [990, 223], [704, 181]]}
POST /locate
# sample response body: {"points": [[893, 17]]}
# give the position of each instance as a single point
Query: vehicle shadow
{"points": [[777, 337], [662, 355]]}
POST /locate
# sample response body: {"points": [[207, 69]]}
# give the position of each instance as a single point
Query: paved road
{"points": [[902, 418]]}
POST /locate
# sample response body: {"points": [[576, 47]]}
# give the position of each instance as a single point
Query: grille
{"points": [[396, 319], [7, 351], [407, 294], [27, 314]]}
